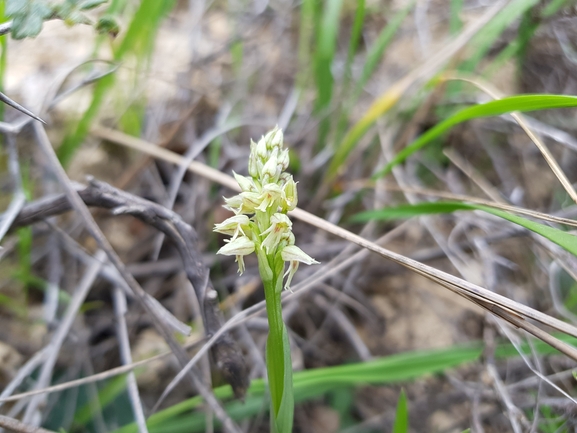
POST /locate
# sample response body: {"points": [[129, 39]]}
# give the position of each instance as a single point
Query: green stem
{"points": [[279, 368], [274, 351]]}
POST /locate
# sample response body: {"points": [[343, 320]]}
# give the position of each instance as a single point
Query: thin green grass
{"points": [[341, 113], [485, 39], [312, 383], [356, 33], [532, 19], [522, 103], [481, 43], [138, 42], [378, 49], [309, 384], [374, 56], [402, 415], [323, 61], [565, 240], [106, 395], [455, 23], [306, 40]]}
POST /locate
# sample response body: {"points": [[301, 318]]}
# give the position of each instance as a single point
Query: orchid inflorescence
{"points": [[260, 222]]}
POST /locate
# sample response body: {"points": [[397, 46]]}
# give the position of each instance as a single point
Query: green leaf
{"points": [[408, 211], [106, 395], [565, 240], [90, 4], [27, 16], [455, 22], [108, 26], [327, 40], [323, 60], [356, 34], [402, 417], [312, 383], [485, 39], [374, 56], [506, 105], [306, 37], [309, 384]]}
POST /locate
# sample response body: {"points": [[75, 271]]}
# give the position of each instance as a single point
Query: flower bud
{"points": [[270, 169], [274, 138], [261, 149], [284, 160], [290, 198], [245, 183], [253, 161]]}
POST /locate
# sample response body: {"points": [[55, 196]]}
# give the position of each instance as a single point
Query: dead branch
{"points": [[226, 354], [19, 427]]}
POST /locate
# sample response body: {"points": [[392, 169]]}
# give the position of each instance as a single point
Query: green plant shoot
{"points": [[260, 225]]}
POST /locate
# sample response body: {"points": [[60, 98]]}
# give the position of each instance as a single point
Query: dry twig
{"points": [[161, 326], [227, 355], [20, 427]]}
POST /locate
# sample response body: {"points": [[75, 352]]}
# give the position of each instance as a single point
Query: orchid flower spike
{"points": [[260, 222]]}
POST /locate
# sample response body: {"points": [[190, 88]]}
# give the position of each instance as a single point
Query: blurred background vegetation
{"points": [[352, 84]]}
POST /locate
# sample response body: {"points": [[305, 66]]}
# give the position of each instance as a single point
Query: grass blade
{"points": [[387, 100], [354, 42], [323, 60], [565, 240], [313, 383], [455, 22], [106, 395], [378, 48], [327, 39], [306, 34], [402, 417], [493, 30], [523, 103], [138, 40]]}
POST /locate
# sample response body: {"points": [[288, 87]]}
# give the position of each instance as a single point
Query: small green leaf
{"points": [[108, 26], [75, 17], [90, 4], [27, 16], [402, 417]]}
